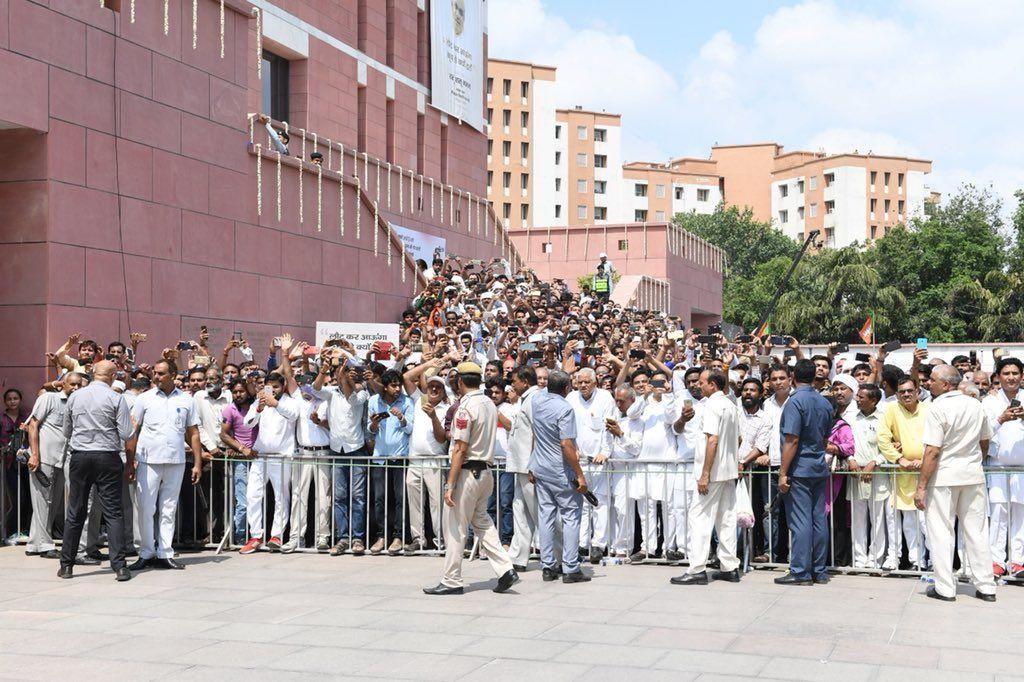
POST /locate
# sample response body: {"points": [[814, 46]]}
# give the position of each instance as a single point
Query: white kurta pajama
{"points": [[653, 479], [1005, 491], [592, 440]]}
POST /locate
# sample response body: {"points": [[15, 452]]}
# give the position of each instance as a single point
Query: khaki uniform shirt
{"points": [[476, 423]]}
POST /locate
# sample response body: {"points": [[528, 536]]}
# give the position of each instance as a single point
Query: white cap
{"points": [[118, 386], [848, 381], [602, 255]]}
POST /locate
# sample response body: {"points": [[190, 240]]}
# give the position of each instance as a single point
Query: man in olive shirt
{"points": [[470, 484], [97, 425]]}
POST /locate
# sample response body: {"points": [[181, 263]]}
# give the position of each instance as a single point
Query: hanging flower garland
{"points": [[389, 185], [302, 163], [167, 17], [359, 210], [195, 24], [341, 190], [319, 196], [221, 26], [131, 6], [259, 39], [376, 231], [259, 180], [401, 193], [279, 186]]}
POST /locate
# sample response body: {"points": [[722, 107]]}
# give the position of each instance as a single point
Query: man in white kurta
{"points": [[592, 407], [627, 435], [718, 463], [1006, 491], [951, 486], [868, 490], [652, 480]]}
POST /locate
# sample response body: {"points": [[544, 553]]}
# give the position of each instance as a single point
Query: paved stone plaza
{"points": [[306, 616]]}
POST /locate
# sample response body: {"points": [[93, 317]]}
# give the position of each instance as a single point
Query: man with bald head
{"points": [[97, 424], [593, 408], [951, 486]]}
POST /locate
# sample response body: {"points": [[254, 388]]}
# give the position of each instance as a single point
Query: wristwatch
{"points": [[448, 487]]}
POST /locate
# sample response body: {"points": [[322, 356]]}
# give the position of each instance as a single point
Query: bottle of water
{"points": [[613, 561]]}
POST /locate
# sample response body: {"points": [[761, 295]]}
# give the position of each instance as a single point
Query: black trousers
{"points": [[104, 470]]}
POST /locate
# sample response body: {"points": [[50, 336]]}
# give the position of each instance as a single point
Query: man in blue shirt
{"points": [[390, 413], [806, 422], [558, 479]]}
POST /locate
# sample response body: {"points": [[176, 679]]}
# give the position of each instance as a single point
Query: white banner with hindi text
{"points": [[457, 59]]}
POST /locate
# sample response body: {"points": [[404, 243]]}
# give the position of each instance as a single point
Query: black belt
{"points": [[476, 466], [315, 448]]}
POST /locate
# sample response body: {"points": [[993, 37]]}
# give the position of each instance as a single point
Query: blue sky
{"points": [[935, 79]]}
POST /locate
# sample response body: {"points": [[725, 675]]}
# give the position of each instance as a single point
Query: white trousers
{"points": [[159, 486], [967, 504], [714, 511], [278, 470], [677, 531], [865, 514], [622, 526], [914, 534], [423, 480], [1006, 524], [647, 508], [524, 520], [596, 523], [470, 495], [40, 538], [306, 469]]}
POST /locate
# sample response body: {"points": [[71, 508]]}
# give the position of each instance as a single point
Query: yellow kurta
{"points": [[899, 426]]}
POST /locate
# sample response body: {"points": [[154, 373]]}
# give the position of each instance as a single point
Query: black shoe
{"points": [[823, 579], [732, 576], [506, 581], [131, 552], [123, 575], [519, 569], [596, 554], [30, 552], [931, 593], [549, 574], [673, 556], [169, 564], [984, 597], [86, 560], [97, 555], [65, 571], [790, 579], [577, 577], [637, 558], [690, 579], [49, 554], [141, 564], [442, 589]]}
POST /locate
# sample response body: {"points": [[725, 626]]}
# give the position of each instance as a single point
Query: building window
{"points": [[490, 85], [506, 87], [581, 212], [800, 186], [659, 216], [899, 180], [600, 134], [600, 186], [874, 231], [506, 117], [558, 210], [814, 210], [678, 191], [581, 132], [546, 247], [558, 132], [783, 217], [506, 210], [659, 191], [874, 178], [830, 179], [830, 207], [640, 190], [600, 213], [524, 211], [524, 150], [600, 161], [581, 160], [886, 177], [524, 89], [506, 148], [888, 205], [490, 147], [524, 119], [640, 215], [581, 186], [623, 245], [900, 206], [800, 212], [490, 116], [275, 86], [703, 194], [558, 184], [524, 181], [783, 190], [830, 236], [873, 205], [558, 158], [813, 182], [506, 179], [490, 178]]}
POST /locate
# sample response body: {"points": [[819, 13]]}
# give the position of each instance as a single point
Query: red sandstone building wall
{"points": [[124, 165]]}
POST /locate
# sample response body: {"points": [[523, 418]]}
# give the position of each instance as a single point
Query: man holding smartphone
{"points": [[1006, 491]]}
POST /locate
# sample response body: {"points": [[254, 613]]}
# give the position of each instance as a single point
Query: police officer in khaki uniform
{"points": [[470, 484]]}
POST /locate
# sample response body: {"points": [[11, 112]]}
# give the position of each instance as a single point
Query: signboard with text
{"points": [[360, 334], [419, 244], [457, 59]]}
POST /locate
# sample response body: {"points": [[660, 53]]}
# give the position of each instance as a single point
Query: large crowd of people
{"points": [[614, 434]]}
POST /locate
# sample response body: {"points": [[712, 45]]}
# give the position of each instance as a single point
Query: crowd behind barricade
{"points": [[680, 438]]}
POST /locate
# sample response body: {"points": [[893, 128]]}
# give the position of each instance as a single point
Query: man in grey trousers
{"points": [[558, 479]]}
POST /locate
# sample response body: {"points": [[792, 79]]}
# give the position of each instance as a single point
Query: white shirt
{"points": [[773, 411], [311, 435], [211, 416], [520, 437], [1007, 446], [659, 441], [865, 451], [509, 411], [592, 438], [956, 423], [627, 446], [277, 425], [164, 419], [721, 419], [345, 417], [692, 438], [422, 442]]}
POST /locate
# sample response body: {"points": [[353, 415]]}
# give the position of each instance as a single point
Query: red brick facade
{"points": [[124, 164]]}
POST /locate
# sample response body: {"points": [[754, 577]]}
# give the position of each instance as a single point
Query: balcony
{"points": [[525, 192]]}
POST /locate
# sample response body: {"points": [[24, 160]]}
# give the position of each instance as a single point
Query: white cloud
{"points": [[934, 79]]}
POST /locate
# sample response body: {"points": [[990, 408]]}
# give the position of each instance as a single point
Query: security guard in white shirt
{"points": [[165, 418], [469, 485]]}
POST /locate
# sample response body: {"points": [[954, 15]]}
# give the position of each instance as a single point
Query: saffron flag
{"points": [[867, 331], [763, 329]]}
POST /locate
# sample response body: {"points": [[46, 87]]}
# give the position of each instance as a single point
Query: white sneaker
{"points": [[289, 547], [890, 565]]}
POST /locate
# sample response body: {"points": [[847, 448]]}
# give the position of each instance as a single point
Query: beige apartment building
{"points": [[657, 191], [588, 167]]}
